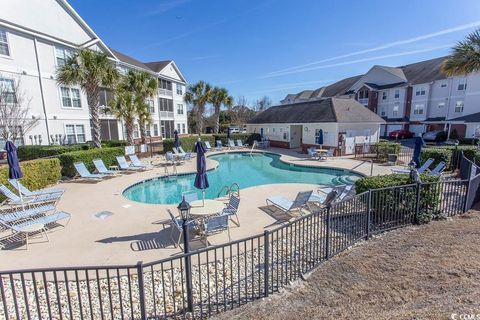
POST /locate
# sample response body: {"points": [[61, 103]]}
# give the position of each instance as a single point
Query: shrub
{"points": [[437, 154], [384, 148], [37, 174], [187, 143], [113, 143], [389, 180], [35, 152], [247, 138], [86, 156]]}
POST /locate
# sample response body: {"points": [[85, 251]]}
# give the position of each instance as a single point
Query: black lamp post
{"points": [[184, 209]]}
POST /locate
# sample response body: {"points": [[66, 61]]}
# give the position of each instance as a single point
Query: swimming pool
{"points": [[245, 169]]}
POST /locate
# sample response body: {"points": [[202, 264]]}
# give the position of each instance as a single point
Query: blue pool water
{"points": [[245, 169]]}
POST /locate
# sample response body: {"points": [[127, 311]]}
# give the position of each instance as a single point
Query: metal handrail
{"points": [[224, 188], [371, 166]]}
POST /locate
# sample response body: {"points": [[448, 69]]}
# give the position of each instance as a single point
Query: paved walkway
{"points": [[134, 232]]}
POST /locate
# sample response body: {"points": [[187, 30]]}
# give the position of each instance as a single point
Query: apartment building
{"points": [[416, 97], [37, 36]]}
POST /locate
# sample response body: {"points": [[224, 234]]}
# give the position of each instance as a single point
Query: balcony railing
{"points": [[166, 114], [363, 101], [165, 92]]}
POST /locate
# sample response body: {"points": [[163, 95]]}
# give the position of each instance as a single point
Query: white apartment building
{"points": [[416, 97], [36, 36]]}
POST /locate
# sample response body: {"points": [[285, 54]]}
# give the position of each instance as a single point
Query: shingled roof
{"points": [[129, 60], [326, 110], [158, 66]]}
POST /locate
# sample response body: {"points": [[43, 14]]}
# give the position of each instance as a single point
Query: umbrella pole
{"points": [[203, 197], [20, 194]]}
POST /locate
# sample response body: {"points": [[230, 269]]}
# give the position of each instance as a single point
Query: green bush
{"points": [[114, 143], [389, 180], [384, 148], [247, 138], [187, 143], [86, 156], [35, 152], [437, 154], [37, 174]]}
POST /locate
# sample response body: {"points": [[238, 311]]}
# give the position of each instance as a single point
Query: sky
{"points": [[275, 47]]}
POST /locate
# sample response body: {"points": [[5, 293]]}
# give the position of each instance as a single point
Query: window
{"points": [[443, 85], [396, 106], [273, 130], [420, 91], [4, 48], [382, 111], [164, 84], [179, 89], [136, 132], [70, 97], [418, 109], [363, 94], [151, 107], [166, 128], [184, 130], [7, 88], [397, 94], [179, 108], [165, 104], [147, 131], [62, 54], [155, 130], [179, 128], [384, 95], [75, 133], [441, 105], [459, 106], [462, 84]]}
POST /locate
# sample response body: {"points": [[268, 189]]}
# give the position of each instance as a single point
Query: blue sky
{"points": [[275, 47]]}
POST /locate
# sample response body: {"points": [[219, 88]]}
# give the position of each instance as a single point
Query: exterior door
{"points": [[295, 136], [350, 142]]}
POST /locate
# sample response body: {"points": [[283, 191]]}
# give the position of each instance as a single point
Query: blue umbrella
{"points": [[416, 152], [320, 137], [176, 144], [261, 132], [201, 180], [14, 171]]}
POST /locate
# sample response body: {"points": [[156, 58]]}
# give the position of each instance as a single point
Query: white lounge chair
{"points": [[231, 144], [219, 145], [137, 163], [312, 153], [179, 155], [85, 174], [123, 164], [188, 154], [438, 170], [19, 214], [13, 199], [289, 206], [26, 192], [422, 169], [208, 146], [102, 168], [240, 144]]}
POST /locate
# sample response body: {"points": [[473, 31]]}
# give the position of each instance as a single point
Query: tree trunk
{"points": [[200, 111], [141, 123], [217, 119], [93, 103], [129, 128]]}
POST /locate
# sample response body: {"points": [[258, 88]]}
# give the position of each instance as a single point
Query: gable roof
{"points": [[424, 71], [129, 60], [474, 117], [344, 110], [158, 66]]}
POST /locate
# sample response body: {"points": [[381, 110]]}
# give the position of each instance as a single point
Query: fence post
{"points": [[417, 202], [266, 266], [141, 290], [327, 234], [467, 193], [369, 213]]}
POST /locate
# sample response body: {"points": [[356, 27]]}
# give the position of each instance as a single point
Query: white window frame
{"points": [[459, 106], [396, 95], [420, 91], [9, 48], [184, 128], [180, 107], [384, 95], [13, 87], [136, 131], [151, 105], [64, 50], [179, 89], [462, 84], [383, 111], [75, 132], [155, 130], [395, 109], [417, 108], [70, 96]]}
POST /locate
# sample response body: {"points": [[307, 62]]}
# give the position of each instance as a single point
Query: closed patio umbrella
{"points": [[14, 171], [320, 137], [176, 143], [417, 151], [201, 180]]}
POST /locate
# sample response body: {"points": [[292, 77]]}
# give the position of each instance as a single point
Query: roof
{"points": [[340, 87], [158, 66], [386, 86], [343, 110], [305, 94], [129, 60], [424, 71], [435, 119], [474, 117], [395, 119], [396, 71]]}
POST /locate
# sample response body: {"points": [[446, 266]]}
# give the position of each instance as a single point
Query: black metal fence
{"points": [[404, 156], [219, 278]]}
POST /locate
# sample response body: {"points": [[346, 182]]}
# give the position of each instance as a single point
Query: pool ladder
{"points": [[233, 189], [174, 170]]}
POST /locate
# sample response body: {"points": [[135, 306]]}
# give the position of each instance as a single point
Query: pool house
{"points": [[341, 123]]}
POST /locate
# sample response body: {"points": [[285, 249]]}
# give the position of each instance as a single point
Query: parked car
{"points": [[401, 134], [436, 136]]}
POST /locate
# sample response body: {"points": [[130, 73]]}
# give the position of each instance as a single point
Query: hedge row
{"points": [[86, 156], [386, 181], [384, 148], [37, 174], [188, 143], [438, 155], [114, 143]]}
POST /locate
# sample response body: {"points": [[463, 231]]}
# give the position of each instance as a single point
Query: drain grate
{"points": [[103, 214]]}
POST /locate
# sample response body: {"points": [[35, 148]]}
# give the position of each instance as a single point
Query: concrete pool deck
{"points": [[134, 232]]}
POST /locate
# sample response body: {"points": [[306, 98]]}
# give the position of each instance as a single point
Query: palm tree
{"points": [[198, 95], [219, 97], [465, 57], [144, 87], [123, 108], [90, 70]]}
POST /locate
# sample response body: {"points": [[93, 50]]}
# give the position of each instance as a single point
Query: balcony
{"points": [[363, 101], [166, 114], [165, 92]]}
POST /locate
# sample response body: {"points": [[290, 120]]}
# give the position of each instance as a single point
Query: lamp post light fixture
{"points": [[184, 209]]}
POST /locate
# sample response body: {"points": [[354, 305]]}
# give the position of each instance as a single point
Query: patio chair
{"points": [[208, 147], [176, 224], [190, 196], [219, 145], [35, 225], [438, 170], [289, 206], [232, 209], [189, 155], [9, 216], [240, 144], [422, 169], [231, 144], [26, 192], [123, 164], [136, 163], [13, 199], [343, 191], [179, 155], [322, 201], [330, 153], [312, 153], [215, 224], [102, 168], [85, 174]]}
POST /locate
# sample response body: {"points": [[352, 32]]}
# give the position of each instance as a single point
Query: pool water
{"points": [[244, 169]]}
